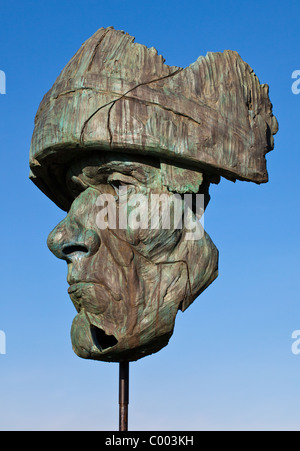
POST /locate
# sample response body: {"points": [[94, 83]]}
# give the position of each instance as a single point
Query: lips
{"points": [[93, 297], [92, 334]]}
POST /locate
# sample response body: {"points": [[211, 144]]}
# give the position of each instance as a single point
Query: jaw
{"points": [[111, 329], [90, 341], [141, 320]]}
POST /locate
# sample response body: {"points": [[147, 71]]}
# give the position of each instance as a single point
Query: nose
{"points": [[70, 240]]}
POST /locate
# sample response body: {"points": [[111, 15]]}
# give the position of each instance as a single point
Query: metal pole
{"points": [[123, 395]]}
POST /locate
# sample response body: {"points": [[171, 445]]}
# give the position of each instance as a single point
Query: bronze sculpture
{"points": [[119, 121]]}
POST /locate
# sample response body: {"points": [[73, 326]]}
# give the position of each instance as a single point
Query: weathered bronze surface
{"points": [[119, 121]]}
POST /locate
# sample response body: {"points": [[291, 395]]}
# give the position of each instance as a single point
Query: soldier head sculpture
{"points": [[127, 146]]}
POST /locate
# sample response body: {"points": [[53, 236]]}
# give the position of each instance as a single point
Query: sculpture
{"points": [[120, 126]]}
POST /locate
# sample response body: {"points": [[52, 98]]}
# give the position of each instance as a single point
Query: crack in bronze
{"points": [[149, 102], [113, 102], [97, 45], [64, 93]]}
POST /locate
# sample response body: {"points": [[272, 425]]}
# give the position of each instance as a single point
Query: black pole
{"points": [[123, 395]]}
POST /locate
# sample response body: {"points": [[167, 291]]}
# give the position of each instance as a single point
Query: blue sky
{"points": [[229, 364]]}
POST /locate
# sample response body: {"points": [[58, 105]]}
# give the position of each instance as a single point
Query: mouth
{"points": [[101, 340], [88, 332], [90, 340], [94, 297], [74, 286]]}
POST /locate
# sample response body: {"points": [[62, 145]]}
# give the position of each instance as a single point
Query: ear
{"points": [[180, 180]]}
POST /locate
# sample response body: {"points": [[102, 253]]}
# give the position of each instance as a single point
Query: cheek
{"points": [[141, 222], [132, 217], [108, 266]]}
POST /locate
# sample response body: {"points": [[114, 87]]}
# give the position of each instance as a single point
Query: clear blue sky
{"points": [[229, 364]]}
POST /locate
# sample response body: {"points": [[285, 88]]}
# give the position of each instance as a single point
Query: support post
{"points": [[123, 395]]}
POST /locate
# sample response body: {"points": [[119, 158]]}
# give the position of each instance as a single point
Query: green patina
{"points": [[118, 119]]}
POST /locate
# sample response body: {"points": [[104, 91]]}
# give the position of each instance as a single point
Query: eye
{"points": [[121, 181], [122, 189], [116, 185]]}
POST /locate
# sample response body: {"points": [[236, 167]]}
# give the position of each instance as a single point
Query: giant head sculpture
{"points": [[128, 147]]}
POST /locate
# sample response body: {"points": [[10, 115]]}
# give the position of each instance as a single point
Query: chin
{"points": [[92, 340]]}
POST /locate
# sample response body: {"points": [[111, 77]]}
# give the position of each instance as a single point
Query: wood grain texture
{"points": [[115, 94]]}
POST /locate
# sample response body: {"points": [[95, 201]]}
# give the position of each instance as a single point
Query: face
{"points": [[128, 272]]}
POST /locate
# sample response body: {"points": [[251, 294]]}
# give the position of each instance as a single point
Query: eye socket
{"points": [[116, 184], [120, 187], [76, 186], [118, 180]]}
